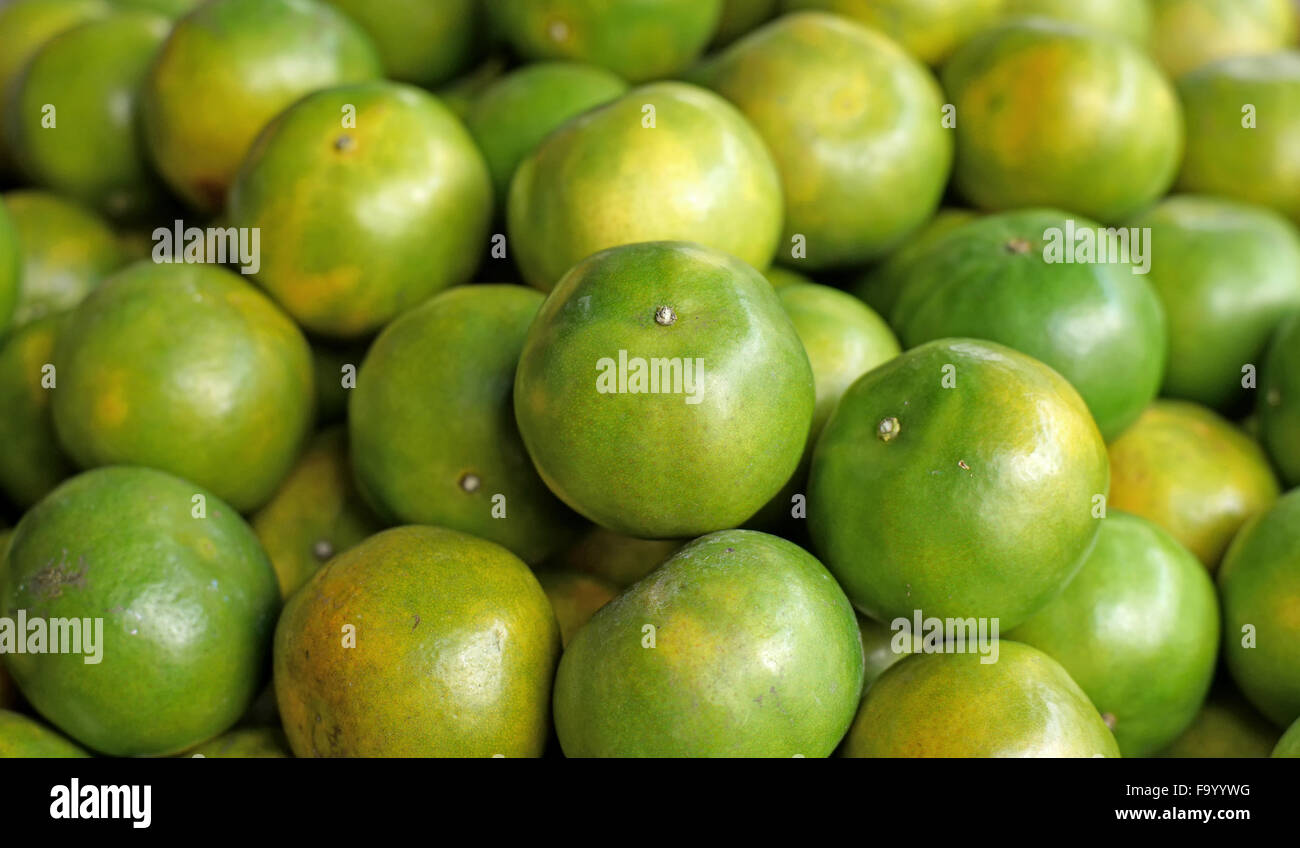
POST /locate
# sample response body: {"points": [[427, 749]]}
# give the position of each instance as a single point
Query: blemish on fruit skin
{"points": [[469, 482], [963, 465], [345, 143], [888, 429]]}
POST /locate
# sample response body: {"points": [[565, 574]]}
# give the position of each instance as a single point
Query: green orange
{"points": [[955, 705], [1125, 18], [576, 598], [423, 42], [613, 557], [999, 278], [928, 29], [1226, 726], [1259, 584], [432, 426], [667, 161], [11, 267], [740, 16], [739, 645], [882, 646], [91, 75], [1138, 630], [636, 39], [245, 743], [189, 369], [1193, 473], [959, 479], [1279, 401], [1227, 274], [1053, 114], [1187, 34], [879, 286], [31, 460], [454, 651], [663, 392], [224, 72], [853, 123], [1289, 745], [187, 601], [26, 738]]}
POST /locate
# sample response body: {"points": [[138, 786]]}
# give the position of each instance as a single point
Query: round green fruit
{"points": [[662, 391], [956, 705], [879, 287], [1226, 726], [613, 557], [576, 598], [1116, 17], [959, 479], [1279, 401], [928, 29], [637, 39], [226, 70], [851, 122], [1245, 155], [1138, 630], [1187, 34], [1052, 114], [189, 369], [1289, 745], [739, 645], [423, 42], [187, 606], [26, 738], [455, 648], [433, 432], [31, 460], [1227, 274], [688, 167], [245, 743], [1010, 278], [741, 16], [882, 646], [1259, 584]]}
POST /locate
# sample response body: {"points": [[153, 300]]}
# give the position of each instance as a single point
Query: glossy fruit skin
{"points": [[1289, 745], [316, 513], [1106, 126], [224, 72], [1228, 274], [245, 743], [31, 460], [952, 705], [433, 432], [1226, 726], [576, 598], [122, 544], [1259, 165], [981, 503], [514, 114], [425, 601], [1279, 401], [1118, 17], [26, 738], [1193, 473], [1138, 630], [359, 225], [189, 369], [1259, 583], [92, 73], [879, 286], [928, 29], [11, 268], [603, 179], [654, 465], [637, 39], [749, 630], [851, 122], [615, 558], [65, 250], [991, 279], [1188, 34], [423, 42]]}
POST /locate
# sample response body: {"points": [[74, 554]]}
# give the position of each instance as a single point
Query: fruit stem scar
{"points": [[469, 481], [1018, 245], [323, 550], [344, 143], [887, 429], [665, 316]]}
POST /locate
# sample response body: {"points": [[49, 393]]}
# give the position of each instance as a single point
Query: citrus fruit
{"points": [[739, 645], [959, 479], [781, 277], [315, 514], [636, 39], [1289, 745], [740, 16], [424, 42], [512, 115], [359, 224], [65, 251], [615, 558], [575, 597], [433, 433], [245, 743], [662, 391], [31, 461], [1226, 726], [92, 152], [929, 29], [1053, 114], [879, 286], [954, 705], [1117, 17], [24, 26], [11, 267], [459, 94], [225, 70], [687, 167], [882, 646], [187, 604], [1193, 473], [1242, 122], [1279, 401], [454, 650], [1187, 34], [1259, 584], [1138, 629], [853, 123], [1227, 274], [189, 369], [998, 278], [26, 738]]}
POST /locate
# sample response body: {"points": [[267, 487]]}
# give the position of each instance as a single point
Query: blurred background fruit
{"points": [[1279, 401], [1126, 18], [31, 460], [423, 42], [928, 29], [576, 598], [24, 737], [1226, 726], [1188, 34]]}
